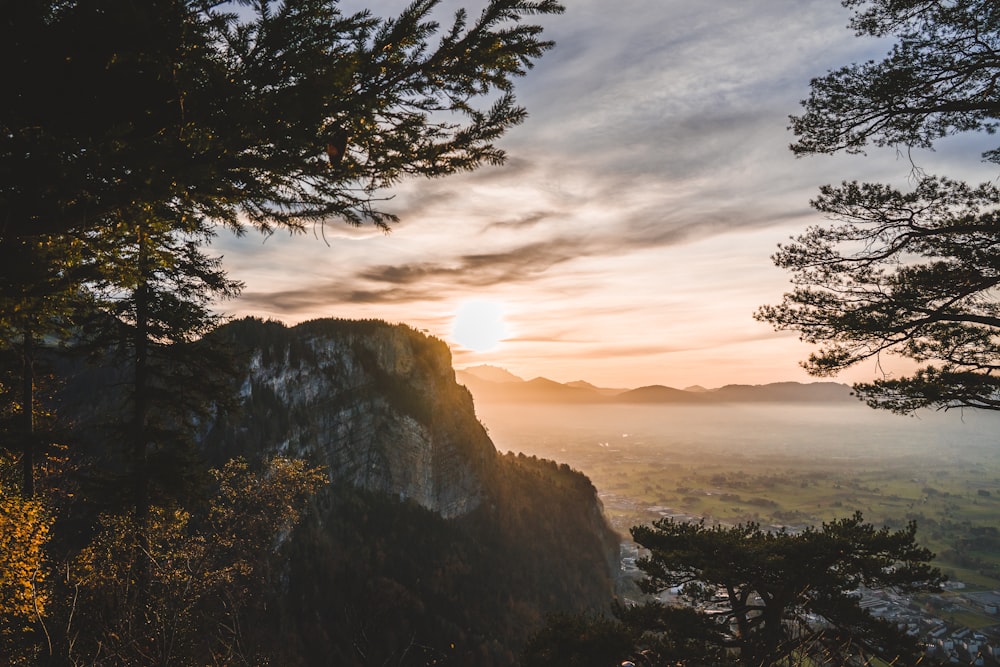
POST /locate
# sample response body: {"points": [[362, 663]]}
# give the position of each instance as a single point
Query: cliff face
{"points": [[377, 405], [426, 547], [426, 537]]}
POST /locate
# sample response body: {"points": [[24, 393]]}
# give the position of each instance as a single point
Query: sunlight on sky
{"points": [[479, 325], [629, 234]]}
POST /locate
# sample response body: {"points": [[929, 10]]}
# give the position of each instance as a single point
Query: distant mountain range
{"points": [[491, 384]]}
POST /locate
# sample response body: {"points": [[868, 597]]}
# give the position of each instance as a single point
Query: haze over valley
{"points": [[784, 455]]}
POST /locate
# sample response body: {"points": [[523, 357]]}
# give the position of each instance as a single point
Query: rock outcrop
{"points": [[377, 405], [426, 534], [427, 546]]}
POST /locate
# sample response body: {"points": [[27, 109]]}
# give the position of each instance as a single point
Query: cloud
{"points": [[625, 351], [518, 264], [308, 300], [633, 221], [422, 281], [525, 221]]}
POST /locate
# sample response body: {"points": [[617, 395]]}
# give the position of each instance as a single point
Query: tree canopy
{"points": [[251, 114], [130, 133], [912, 273], [939, 79], [774, 595], [907, 273], [283, 113]]}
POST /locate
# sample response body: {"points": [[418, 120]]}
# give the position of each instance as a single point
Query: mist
{"points": [[778, 464]]}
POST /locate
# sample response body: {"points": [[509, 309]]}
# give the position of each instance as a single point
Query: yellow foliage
{"points": [[24, 531], [176, 586]]}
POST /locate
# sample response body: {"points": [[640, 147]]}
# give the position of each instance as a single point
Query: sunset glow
{"points": [[479, 325], [629, 234]]}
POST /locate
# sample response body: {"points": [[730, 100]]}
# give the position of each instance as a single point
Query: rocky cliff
{"points": [[377, 405], [428, 546]]}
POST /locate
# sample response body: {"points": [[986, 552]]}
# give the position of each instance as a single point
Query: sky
{"points": [[627, 239]]}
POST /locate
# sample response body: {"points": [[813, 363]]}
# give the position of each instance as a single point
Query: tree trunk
{"points": [[28, 414], [773, 633], [738, 603], [138, 594], [140, 390]]}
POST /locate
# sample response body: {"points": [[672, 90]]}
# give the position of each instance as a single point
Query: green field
{"points": [[953, 518], [951, 491]]}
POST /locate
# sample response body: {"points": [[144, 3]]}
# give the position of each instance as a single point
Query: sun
{"points": [[479, 325]]}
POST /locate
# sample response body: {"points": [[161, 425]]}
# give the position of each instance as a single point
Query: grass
{"points": [[970, 619]]}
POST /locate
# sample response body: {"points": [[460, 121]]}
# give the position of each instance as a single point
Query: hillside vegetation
{"points": [[343, 506]]}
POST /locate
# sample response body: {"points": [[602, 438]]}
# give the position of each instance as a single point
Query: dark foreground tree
{"points": [[283, 114], [277, 116], [157, 289], [648, 635], [214, 566], [41, 297], [939, 79], [906, 273], [579, 641], [775, 596], [909, 273]]}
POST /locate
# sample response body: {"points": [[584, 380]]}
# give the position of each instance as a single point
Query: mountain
{"points": [[490, 373], [538, 390], [791, 392], [427, 546], [376, 404], [660, 394], [543, 390], [606, 391]]}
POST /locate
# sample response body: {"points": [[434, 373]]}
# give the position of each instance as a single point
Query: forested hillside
{"points": [[423, 543]]}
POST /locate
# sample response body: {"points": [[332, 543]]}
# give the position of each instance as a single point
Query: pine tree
{"points": [[771, 596], [296, 114], [911, 273], [158, 289], [41, 300]]}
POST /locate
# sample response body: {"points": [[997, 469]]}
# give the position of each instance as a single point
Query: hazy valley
{"points": [[779, 463]]}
